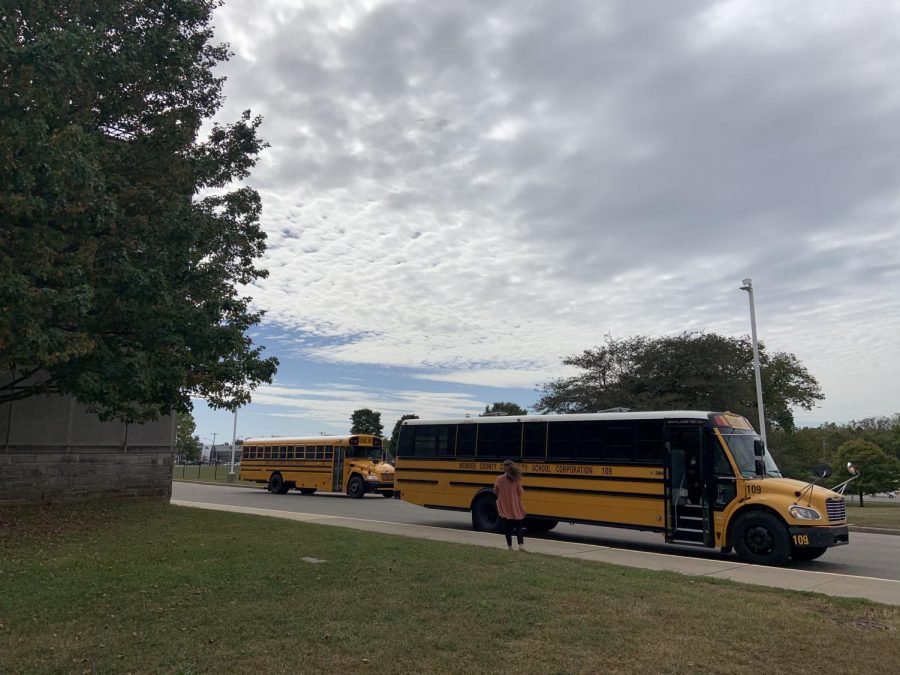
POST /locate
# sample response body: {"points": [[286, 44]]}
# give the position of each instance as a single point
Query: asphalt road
{"points": [[867, 555]]}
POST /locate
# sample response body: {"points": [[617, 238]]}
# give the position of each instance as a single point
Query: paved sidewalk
{"points": [[879, 590]]}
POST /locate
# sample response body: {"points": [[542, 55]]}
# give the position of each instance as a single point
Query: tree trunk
{"points": [[861, 497]]}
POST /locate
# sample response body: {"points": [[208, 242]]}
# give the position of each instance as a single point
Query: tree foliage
{"points": [[796, 452], [507, 407], [702, 371], [187, 444], [124, 235], [878, 471], [395, 434], [366, 421]]}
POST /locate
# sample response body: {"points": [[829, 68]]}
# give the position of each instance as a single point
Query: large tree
{"points": [[187, 444], [878, 471], [702, 371], [506, 407], [395, 434], [366, 421], [124, 234]]}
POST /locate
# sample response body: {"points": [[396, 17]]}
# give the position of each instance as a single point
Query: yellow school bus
{"points": [[697, 477], [352, 464]]}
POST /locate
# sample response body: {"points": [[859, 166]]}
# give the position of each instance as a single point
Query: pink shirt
{"points": [[509, 498]]}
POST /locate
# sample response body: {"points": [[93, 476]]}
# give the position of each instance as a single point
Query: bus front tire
{"points": [[307, 491], [808, 553], [277, 486], [356, 488], [485, 517], [761, 538]]}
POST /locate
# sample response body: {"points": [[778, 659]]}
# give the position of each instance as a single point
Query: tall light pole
{"points": [[233, 442], [748, 286]]}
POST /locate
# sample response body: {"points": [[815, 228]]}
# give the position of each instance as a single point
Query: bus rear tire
{"points": [[485, 517], [761, 538], [808, 553], [277, 486], [307, 491], [356, 488]]}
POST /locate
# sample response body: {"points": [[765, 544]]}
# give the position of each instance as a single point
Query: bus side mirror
{"points": [[759, 452], [822, 470]]}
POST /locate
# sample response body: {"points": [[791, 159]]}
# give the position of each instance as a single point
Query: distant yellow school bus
{"points": [[697, 477], [352, 464]]}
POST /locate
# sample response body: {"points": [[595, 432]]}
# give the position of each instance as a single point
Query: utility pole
{"points": [[748, 286], [231, 477], [213, 449]]}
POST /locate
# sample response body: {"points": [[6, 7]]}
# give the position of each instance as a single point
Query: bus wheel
{"points": [[484, 514], [761, 538], [356, 488], [307, 491], [808, 552], [277, 486], [539, 525]]}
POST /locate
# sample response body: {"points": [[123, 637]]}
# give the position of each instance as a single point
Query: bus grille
{"points": [[387, 476], [837, 509]]}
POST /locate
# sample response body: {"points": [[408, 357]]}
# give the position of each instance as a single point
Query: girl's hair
{"points": [[512, 470]]}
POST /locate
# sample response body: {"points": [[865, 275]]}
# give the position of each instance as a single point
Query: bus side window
{"points": [[425, 440], [534, 440], [465, 440], [618, 441], [489, 441], [405, 446], [589, 440], [446, 440], [561, 441], [722, 466], [651, 443], [320, 451], [329, 452]]}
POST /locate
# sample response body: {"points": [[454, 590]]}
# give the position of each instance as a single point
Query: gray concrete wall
{"points": [[53, 449]]}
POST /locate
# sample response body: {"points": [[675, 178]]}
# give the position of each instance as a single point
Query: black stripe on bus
{"points": [[540, 488], [537, 460], [579, 476], [413, 480]]}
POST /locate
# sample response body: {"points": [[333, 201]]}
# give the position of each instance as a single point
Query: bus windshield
{"points": [[740, 442], [362, 452]]}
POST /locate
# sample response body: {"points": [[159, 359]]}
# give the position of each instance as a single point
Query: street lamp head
{"points": [[748, 284]]}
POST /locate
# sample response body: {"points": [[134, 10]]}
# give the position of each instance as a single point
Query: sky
{"points": [[458, 195]]}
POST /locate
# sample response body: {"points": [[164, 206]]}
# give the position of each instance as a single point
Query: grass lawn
{"points": [[151, 587], [875, 514], [208, 474]]}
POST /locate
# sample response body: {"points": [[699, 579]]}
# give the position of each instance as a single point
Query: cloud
{"points": [[477, 190], [331, 405]]}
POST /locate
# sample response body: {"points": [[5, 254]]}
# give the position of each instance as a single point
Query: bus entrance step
{"points": [[686, 542], [686, 535]]}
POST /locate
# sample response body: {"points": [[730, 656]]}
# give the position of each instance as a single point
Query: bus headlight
{"points": [[371, 476], [804, 513]]}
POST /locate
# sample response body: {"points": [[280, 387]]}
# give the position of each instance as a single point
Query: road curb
{"points": [[873, 530]]}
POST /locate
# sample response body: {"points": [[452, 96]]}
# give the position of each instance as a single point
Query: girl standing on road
{"points": [[509, 491]]}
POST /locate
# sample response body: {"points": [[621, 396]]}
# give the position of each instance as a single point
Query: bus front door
{"points": [[337, 470], [687, 505]]}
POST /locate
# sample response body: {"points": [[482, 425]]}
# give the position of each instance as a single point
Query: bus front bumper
{"points": [[379, 486], [818, 537]]}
